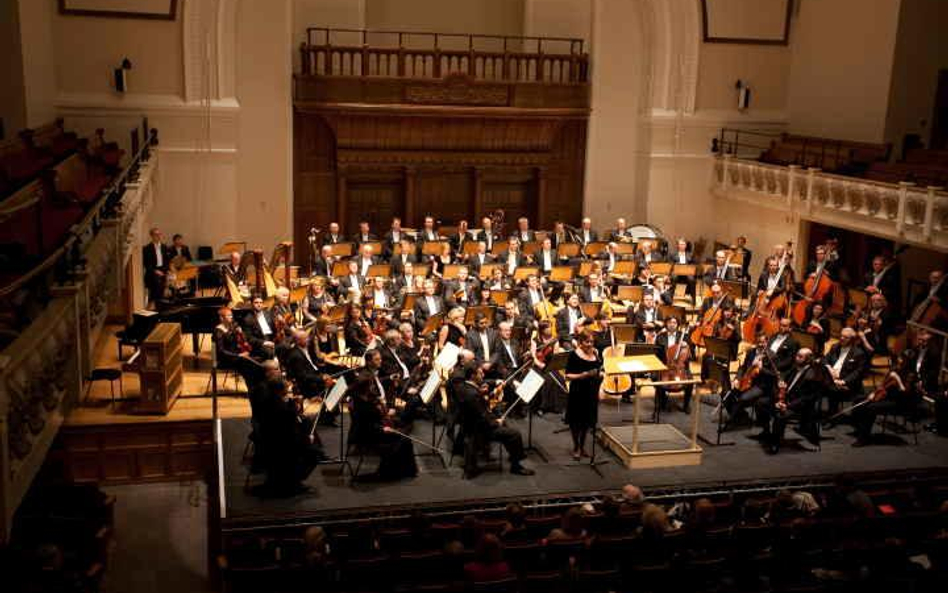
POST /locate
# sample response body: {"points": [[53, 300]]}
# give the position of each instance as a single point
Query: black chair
{"points": [[110, 375]]}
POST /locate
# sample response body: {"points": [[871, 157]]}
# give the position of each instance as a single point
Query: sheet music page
{"points": [[448, 357], [430, 388], [631, 366], [530, 386], [335, 394]]}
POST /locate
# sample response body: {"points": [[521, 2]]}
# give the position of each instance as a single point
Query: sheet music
{"points": [[335, 394], [530, 386], [448, 357], [430, 388], [632, 366]]}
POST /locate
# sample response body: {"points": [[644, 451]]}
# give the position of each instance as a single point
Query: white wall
{"points": [[765, 68], [558, 18], [921, 50], [841, 68]]}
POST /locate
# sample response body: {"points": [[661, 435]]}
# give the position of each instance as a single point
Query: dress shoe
{"points": [[519, 470]]}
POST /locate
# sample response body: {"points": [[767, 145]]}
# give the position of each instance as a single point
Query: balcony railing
{"points": [[404, 54], [902, 212]]}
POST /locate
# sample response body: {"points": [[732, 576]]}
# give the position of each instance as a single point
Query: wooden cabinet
{"points": [[160, 369]]}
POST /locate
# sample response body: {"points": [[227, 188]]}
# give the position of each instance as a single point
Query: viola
{"points": [[242, 344]]}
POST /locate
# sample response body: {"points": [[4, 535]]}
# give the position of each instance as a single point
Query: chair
{"points": [[598, 581], [110, 375], [508, 585]]}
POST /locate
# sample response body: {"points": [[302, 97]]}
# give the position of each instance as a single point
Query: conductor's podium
{"points": [[645, 446]]}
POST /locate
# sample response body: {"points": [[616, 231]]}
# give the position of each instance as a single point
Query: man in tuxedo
{"points": [[646, 257], [428, 232], [505, 359], [351, 284], [407, 255], [559, 236], [884, 277], [404, 279], [427, 304], [512, 258], [531, 295], [323, 264], [620, 232], [804, 386], [459, 238], [523, 232], [333, 236], [379, 294], [546, 256], [593, 291], [179, 249], [155, 259], [783, 348], [682, 255], [722, 270], [648, 318], [364, 235], [487, 234], [366, 259], [847, 363], [569, 320], [258, 327], [609, 256], [718, 299], [480, 339], [673, 338], [461, 291], [477, 260], [741, 247], [301, 367], [393, 237], [586, 234]]}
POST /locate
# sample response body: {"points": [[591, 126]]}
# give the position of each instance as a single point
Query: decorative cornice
{"points": [[152, 104]]}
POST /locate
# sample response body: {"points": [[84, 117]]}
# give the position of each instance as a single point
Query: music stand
{"points": [[487, 270], [528, 388], [375, 270], [530, 248], [375, 245], [522, 272], [667, 311], [432, 247], [625, 248], [341, 249], [806, 340], [585, 268], [568, 250], [498, 248], [591, 310], [624, 268], [737, 289], [595, 248], [408, 304], [686, 270], [337, 312], [858, 298], [423, 270], [499, 297], [433, 324], [469, 248], [427, 394], [627, 292], [334, 398], [624, 333], [718, 372], [450, 271], [646, 241], [340, 269], [561, 274], [471, 313], [660, 268]]}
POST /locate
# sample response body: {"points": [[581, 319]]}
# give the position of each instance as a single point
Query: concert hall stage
{"points": [[333, 498]]}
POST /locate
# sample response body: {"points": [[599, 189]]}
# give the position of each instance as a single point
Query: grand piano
{"points": [[197, 316]]}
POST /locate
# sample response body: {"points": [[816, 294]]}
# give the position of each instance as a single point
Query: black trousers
{"points": [[740, 400], [510, 438], [804, 409], [864, 417], [661, 396]]}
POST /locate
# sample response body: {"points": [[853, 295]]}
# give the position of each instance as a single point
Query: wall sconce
{"points": [[743, 95], [121, 80]]}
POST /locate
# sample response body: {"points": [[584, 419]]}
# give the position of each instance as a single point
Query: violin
{"points": [[242, 344], [747, 379]]}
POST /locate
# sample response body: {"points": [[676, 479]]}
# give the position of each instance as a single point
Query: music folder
{"points": [[561, 274], [624, 333], [471, 313], [430, 388], [450, 271], [626, 292], [375, 270], [342, 249], [522, 272], [624, 267], [487, 270], [433, 324], [567, 250], [335, 394], [469, 248], [432, 247], [340, 268]]}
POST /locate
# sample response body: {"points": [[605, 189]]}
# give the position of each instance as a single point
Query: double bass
{"points": [[816, 288]]}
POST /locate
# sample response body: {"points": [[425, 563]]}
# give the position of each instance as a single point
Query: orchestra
{"points": [[398, 301]]}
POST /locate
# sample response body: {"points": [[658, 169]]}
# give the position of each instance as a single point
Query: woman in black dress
{"points": [[453, 330], [584, 372]]}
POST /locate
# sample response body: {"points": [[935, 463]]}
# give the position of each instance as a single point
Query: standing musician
{"points": [[740, 246], [427, 304], [481, 427], [915, 375], [232, 349], [284, 444], [584, 372], [358, 332], [798, 392], [316, 302], [477, 260], [884, 277], [407, 256], [258, 328], [821, 264], [675, 347], [847, 363], [365, 235], [570, 321], [462, 291], [155, 259], [373, 423], [523, 232], [647, 318], [487, 235], [620, 233]]}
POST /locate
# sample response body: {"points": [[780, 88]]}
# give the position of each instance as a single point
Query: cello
{"points": [[709, 321], [816, 288]]}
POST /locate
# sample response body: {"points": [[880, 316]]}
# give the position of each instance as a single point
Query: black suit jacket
{"points": [[472, 409], [638, 317], [593, 236], [307, 378], [482, 236], [562, 324], [421, 309], [185, 252], [730, 274], [500, 359], [502, 259], [785, 354], [453, 286], [367, 418], [689, 258], [640, 259], [530, 238], [357, 238], [474, 262], [890, 285], [321, 267], [150, 259], [854, 368], [474, 343], [327, 239], [345, 283], [662, 340], [252, 329]]}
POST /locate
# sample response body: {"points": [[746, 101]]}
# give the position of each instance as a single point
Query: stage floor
{"points": [[745, 461]]}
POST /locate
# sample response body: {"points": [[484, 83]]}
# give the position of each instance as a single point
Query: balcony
{"points": [[901, 212]]}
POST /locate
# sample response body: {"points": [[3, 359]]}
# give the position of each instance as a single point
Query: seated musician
{"points": [[460, 238], [155, 259], [397, 379], [357, 330], [569, 321], [282, 306], [718, 299], [442, 260], [407, 256], [453, 329], [523, 232], [366, 260], [803, 386], [232, 350], [428, 233], [546, 256], [333, 236], [683, 256], [559, 235], [774, 281], [620, 233], [302, 368], [505, 359], [675, 344], [232, 269], [783, 347], [662, 290], [462, 290], [316, 302], [483, 294], [365, 235], [722, 270], [499, 281], [875, 325], [817, 324], [322, 266], [594, 291], [179, 249], [350, 285], [756, 379], [727, 328], [373, 423], [379, 294], [609, 256], [487, 235], [647, 318], [404, 281], [512, 314], [393, 237], [258, 328], [480, 340], [884, 277], [512, 258], [602, 338], [427, 304], [784, 257], [816, 265], [847, 363], [477, 261], [915, 375], [646, 256], [409, 349], [283, 444], [531, 295], [325, 346], [586, 233], [481, 427]]}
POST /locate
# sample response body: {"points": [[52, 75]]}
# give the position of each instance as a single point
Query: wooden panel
{"points": [[516, 198], [375, 202], [447, 195]]}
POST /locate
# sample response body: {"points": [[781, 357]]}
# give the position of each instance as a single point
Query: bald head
{"points": [[632, 493]]}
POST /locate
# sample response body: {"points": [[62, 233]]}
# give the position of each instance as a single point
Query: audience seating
{"points": [[830, 155]]}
